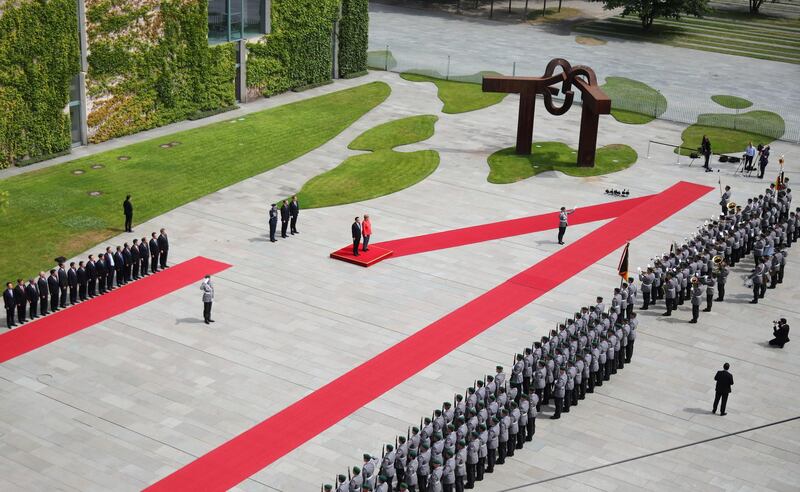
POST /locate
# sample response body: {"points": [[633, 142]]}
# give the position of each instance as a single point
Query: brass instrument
{"points": [[694, 280], [731, 206], [717, 261]]}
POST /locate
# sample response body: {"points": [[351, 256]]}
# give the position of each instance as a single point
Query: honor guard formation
{"points": [[465, 439], [65, 286]]}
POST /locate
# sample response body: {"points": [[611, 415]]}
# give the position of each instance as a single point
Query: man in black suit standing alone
{"points": [[127, 208], [284, 218], [724, 381], [356, 230], [163, 248], [8, 300], [294, 210]]}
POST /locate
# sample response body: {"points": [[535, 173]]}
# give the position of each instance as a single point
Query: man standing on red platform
{"points": [[366, 231], [356, 230]]}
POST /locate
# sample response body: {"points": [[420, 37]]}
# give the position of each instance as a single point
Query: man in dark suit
{"points": [[91, 277], [22, 301], [127, 209], [83, 281], [100, 269], [41, 286], [119, 267], [111, 268], [135, 260], [32, 293], [356, 230], [72, 282], [8, 300], [285, 215], [781, 333], [163, 248], [54, 287], [144, 257], [724, 381], [153, 253], [294, 210], [63, 283], [127, 258]]}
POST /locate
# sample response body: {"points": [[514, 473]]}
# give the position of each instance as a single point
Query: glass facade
{"points": [[75, 110], [229, 20]]}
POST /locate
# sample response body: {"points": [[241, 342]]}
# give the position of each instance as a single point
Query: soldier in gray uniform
{"points": [[670, 291], [449, 471], [483, 434], [502, 448], [423, 466], [461, 465], [435, 479], [533, 404], [473, 457], [697, 295], [757, 278], [570, 387], [513, 429], [722, 277], [709, 282], [560, 385], [493, 443], [631, 337], [400, 456], [357, 480], [412, 479], [540, 382], [524, 410], [342, 485], [517, 375]]}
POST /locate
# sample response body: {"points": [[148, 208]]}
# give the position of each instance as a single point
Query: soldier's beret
{"points": [[415, 429], [328, 486], [462, 442], [342, 478], [356, 470], [389, 447], [437, 461], [367, 456]]}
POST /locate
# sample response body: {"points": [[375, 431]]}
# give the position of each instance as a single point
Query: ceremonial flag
{"points": [[622, 269]]}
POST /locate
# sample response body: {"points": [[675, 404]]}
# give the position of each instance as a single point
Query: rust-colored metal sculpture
{"points": [[594, 102]]}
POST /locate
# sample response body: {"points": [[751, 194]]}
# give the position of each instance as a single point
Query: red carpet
{"points": [[365, 259], [42, 331], [254, 449], [506, 228]]}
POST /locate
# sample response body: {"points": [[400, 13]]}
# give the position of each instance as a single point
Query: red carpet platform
{"points": [[40, 332], [254, 449], [364, 259]]}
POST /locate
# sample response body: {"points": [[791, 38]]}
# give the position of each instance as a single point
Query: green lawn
{"points": [[460, 96], [730, 133], [553, 15], [764, 37], [731, 102], [381, 172], [507, 167], [50, 212], [634, 102]]}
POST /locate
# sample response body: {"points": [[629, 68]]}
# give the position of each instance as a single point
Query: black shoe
{"points": [[561, 242], [754, 301], [211, 320], [693, 321], [666, 314], [273, 240], [706, 310], [356, 254], [555, 417], [724, 413], [206, 322]]}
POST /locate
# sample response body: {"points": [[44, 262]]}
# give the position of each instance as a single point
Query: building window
{"points": [[229, 20], [76, 131]]}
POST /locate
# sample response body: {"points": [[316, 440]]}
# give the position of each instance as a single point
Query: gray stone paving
{"points": [[128, 401]]}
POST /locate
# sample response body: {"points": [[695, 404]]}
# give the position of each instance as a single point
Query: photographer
{"points": [[763, 160], [780, 330]]}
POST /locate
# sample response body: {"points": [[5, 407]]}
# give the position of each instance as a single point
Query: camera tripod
{"points": [[743, 169]]}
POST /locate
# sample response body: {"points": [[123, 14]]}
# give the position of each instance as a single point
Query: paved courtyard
{"points": [[125, 403]]}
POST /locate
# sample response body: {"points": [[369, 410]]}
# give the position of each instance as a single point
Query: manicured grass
{"points": [[763, 37], [552, 14], [634, 102], [381, 172], [731, 102], [50, 212], [457, 96], [381, 60], [730, 133], [507, 167]]}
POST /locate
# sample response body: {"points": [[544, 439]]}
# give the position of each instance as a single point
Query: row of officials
{"points": [[68, 285]]}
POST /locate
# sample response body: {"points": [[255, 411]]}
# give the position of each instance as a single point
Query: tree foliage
{"points": [[650, 10]]}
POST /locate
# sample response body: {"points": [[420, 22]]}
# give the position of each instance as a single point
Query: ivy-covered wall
{"points": [[39, 56], [298, 51], [150, 64], [353, 37]]}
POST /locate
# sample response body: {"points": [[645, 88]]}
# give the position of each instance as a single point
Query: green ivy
{"points": [[39, 56], [298, 51], [153, 66], [353, 37]]}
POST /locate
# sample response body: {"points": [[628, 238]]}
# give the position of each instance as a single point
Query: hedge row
{"points": [[353, 37]]}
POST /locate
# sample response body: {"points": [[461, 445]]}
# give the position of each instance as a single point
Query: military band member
{"points": [[697, 295], [709, 282], [722, 277]]}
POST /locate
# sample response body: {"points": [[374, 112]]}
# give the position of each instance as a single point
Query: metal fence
{"points": [[687, 108]]}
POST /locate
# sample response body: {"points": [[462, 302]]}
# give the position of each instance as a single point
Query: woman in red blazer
{"points": [[366, 231]]}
